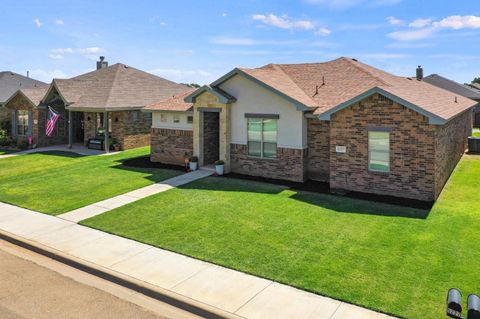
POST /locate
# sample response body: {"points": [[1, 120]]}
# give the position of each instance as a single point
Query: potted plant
{"points": [[115, 145], [193, 163], [219, 167]]}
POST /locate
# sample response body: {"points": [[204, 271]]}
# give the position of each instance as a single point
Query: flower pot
{"points": [[219, 169], [193, 165]]}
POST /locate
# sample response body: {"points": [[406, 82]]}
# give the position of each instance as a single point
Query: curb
{"points": [[161, 294]]}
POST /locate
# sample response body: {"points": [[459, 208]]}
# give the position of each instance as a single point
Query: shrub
{"points": [[194, 159], [23, 145], [219, 162]]}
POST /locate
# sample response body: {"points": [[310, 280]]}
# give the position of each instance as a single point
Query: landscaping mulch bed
{"points": [[144, 162], [324, 188]]}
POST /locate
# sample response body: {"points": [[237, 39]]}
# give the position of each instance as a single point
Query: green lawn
{"points": [[396, 260], [57, 182]]}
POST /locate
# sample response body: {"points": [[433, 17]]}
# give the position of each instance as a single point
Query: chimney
{"points": [[419, 73], [102, 64]]}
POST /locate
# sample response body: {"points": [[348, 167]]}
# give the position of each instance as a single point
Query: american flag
{"points": [[51, 121]]}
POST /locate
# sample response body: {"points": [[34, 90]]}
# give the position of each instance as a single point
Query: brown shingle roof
{"points": [[174, 103], [116, 87], [331, 84]]}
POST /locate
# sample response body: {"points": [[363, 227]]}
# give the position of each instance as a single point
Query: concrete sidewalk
{"points": [[127, 198], [233, 293]]}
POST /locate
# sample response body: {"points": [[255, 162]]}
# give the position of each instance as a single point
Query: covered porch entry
{"points": [[93, 129]]}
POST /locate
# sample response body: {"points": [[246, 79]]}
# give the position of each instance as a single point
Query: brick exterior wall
{"points": [[129, 128], [451, 141], [211, 137], [289, 164], [318, 159], [171, 146], [412, 150], [38, 121]]}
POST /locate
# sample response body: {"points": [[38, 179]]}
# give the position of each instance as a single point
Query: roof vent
{"points": [[102, 64], [355, 60]]}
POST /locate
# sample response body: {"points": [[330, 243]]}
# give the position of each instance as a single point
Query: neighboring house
{"points": [[474, 85], [109, 98], [342, 122], [461, 89], [10, 82]]}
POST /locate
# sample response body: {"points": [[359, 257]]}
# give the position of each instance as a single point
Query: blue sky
{"points": [[198, 41]]}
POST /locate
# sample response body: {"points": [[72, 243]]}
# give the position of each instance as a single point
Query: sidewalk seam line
{"points": [[333, 314], [246, 302]]}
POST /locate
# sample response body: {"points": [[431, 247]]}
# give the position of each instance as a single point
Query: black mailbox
{"points": [[454, 304], [473, 306]]}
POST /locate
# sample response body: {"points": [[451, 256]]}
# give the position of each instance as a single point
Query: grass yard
{"points": [[476, 132], [57, 182], [393, 259]]}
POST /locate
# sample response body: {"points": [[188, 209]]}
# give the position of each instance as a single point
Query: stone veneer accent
{"points": [[126, 130], [289, 164], [318, 159], [451, 141], [208, 100], [171, 146], [39, 120]]}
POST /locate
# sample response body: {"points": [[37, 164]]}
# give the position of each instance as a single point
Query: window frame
{"points": [[262, 137], [25, 126], [188, 119], [176, 118], [370, 150]]}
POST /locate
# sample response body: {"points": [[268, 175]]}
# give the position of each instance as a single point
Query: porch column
{"points": [[105, 126], [70, 129]]}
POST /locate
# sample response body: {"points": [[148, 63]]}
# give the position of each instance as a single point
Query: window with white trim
{"points": [[262, 137], [22, 122], [189, 119], [379, 151], [176, 118]]}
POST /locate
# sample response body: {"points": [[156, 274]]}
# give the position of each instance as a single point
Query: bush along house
{"points": [[108, 99], [342, 122]]}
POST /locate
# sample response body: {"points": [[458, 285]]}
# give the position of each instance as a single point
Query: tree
{"points": [[192, 85], [476, 80]]}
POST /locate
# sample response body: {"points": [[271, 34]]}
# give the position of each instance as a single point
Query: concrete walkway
{"points": [[233, 292], [127, 198], [77, 148]]}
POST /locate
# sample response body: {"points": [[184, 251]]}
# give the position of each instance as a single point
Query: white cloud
{"points": [[459, 22], [163, 24], [59, 22], [224, 14], [47, 75], [412, 35], [90, 53], [324, 32], [420, 23], [185, 76], [284, 22], [394, 21], [37, 22]]}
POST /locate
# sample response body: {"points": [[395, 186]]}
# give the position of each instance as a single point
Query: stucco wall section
{"points": [[168, 122], [253, 98], [412, 150]]}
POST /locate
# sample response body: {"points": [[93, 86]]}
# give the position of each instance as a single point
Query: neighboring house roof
{"points": [[11, 82], [174, 103], [328, 87], [117, 87], [453, 86], [475, 85], [34, 95]]}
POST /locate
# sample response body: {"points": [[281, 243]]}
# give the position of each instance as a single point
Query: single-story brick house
{"points": [[455, 87], [342, 122], [109, 98]]}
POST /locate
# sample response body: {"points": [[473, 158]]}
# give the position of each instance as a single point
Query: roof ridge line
{"points": [[113, 82], [288, 76], [367, 71]]}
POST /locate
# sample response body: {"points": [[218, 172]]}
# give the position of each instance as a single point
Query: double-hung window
{"points": [[22, 122], [379, 151], [262, 137]]}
